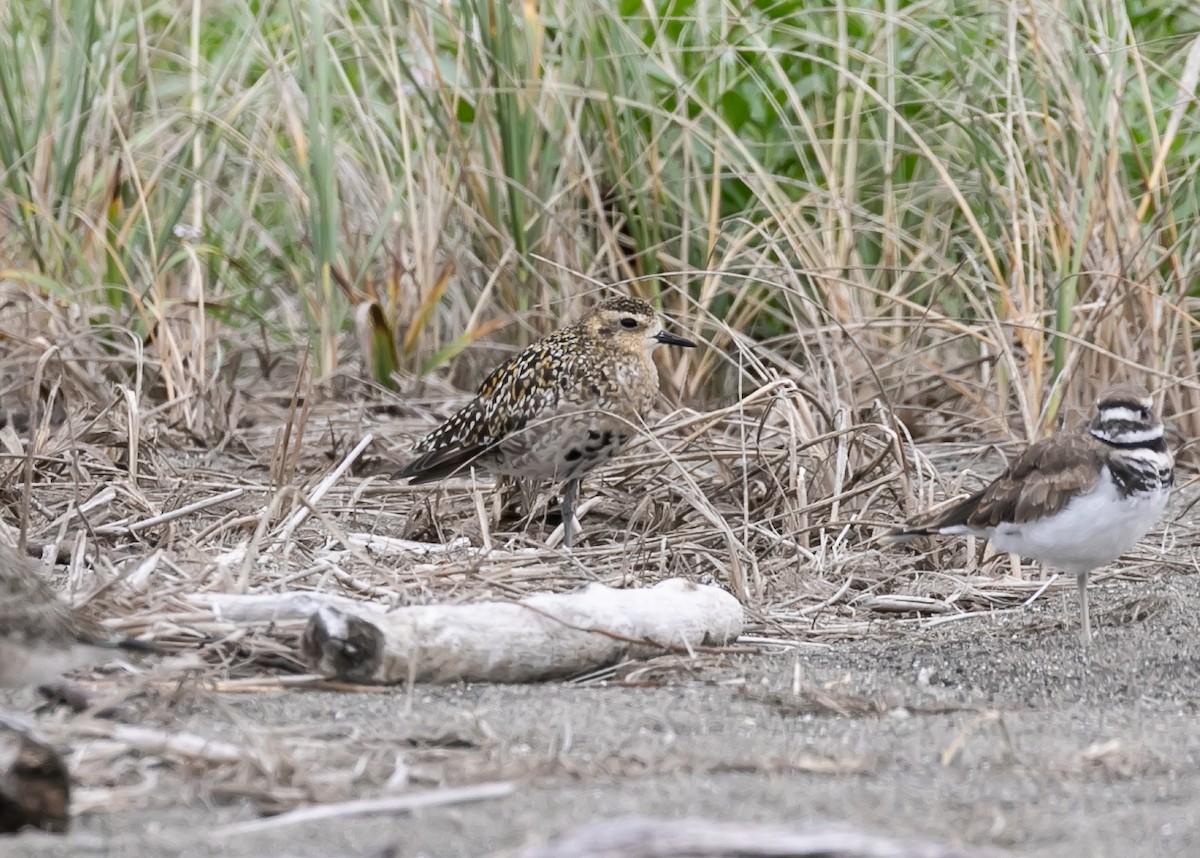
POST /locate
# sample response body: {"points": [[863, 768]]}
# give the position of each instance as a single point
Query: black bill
{"points": [[669, 339]]}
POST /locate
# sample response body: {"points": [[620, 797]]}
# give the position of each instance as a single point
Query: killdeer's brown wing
{"points": [[1040, 483]]}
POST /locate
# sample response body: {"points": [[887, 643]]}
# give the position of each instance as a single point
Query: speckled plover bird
{"points": [[1076, 500], [559, 408]]}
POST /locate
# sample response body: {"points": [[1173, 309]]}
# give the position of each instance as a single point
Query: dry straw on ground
{"points": [[779, 493]]}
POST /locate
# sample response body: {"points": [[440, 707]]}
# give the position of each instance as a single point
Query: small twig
{"points": [[952, 750], [897, 603], [381, 544], [164, 518], [140, 577], [150, 740], [388, 804], [298, 682], [104, 497], [322, 489], [1040, 590]]}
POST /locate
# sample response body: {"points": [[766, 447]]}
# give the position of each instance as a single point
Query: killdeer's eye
{"points": [[629, 323]]}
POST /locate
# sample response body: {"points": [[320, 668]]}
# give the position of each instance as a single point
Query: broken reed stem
{"points": [[298, 516], [167, 517]]}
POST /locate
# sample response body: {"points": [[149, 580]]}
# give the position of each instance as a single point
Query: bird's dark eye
{"points": [[629, 324]]}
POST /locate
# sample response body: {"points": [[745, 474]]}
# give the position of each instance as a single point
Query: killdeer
{"points": [[1076, 500], [558, 409]]}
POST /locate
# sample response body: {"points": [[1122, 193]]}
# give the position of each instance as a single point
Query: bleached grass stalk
{"points": [[322, 488]]}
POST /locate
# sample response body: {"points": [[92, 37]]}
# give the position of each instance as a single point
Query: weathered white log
{"points": [[543, 636], [275, 607], [639, 837]]}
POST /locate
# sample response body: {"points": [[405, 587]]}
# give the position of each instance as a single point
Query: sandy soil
{"points": [[1057, 753]]}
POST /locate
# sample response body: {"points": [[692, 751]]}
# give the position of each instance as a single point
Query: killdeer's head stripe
{"points": [[1125, 420], [1128, 434]]}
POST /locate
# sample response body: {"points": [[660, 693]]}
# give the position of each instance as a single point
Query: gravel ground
{"points": [[999, 733]]}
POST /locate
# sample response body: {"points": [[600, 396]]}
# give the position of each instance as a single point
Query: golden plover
{"points": [[1076, 500], [40, 635], [559, 408]]}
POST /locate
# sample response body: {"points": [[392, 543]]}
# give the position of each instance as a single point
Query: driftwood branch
{"points": [[541, 637], [639, 837]]}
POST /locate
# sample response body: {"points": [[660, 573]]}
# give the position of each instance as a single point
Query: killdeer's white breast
{"points": [[1093, 529]]}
